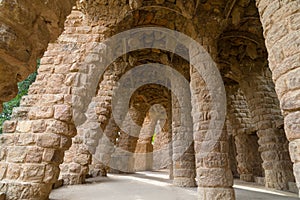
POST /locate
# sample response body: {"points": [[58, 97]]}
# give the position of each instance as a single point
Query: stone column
{"points": [[35, 140], [44, 123], [280, 20], [106, 147], [162, 148], [122, 159], [214, 176], [244, 133], [264, 107], [144, 148], [182, 136], [79, 156]]}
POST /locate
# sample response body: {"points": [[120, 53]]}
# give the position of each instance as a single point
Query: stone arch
{"points": [[246, 55], [77, 158], [249, 162], [79, 88], [94, 56], [144, 153], [82, 92]]}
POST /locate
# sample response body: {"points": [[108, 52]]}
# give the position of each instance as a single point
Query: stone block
{"points": [[62, 112], [83, 159], [34, 155], [184, 182], [292, 125], [16, 154], [3, 152], [9, 126], [25, 139], [45, 112], [20, 113], [214, 177], [51, 174], [49, 140], [3, 170], [33, 173], [38, 126], [58, 127], [50, 99], [215, 193], [48, 155], [13, 171], [24, 126]]}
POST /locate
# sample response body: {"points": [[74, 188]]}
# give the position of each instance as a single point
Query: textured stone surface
{"points": [[67, 116], [281, 41], [25, 30]]}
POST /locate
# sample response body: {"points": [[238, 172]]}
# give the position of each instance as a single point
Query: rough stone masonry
{"points": [[66, 124]]}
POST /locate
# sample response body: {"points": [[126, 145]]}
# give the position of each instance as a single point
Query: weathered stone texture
{"points": [[26, 29], [280, 35], [246, 141], [67, 116]]}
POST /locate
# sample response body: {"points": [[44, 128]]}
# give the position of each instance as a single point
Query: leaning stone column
{"points": [[122, 159], [79, 156], [162, 148], [39, 134], [280, 20], [182, 136], [144, 149]]}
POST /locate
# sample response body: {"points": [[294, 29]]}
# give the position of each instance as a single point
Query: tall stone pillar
{"points": [[182, 136], [123, 159], [78, 158], [280, 20], [264, 107], [144, 148], [162, 148], [214, 176], [34, 141]]}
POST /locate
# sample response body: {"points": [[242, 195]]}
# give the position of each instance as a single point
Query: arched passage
{"points": [[46, 120]]}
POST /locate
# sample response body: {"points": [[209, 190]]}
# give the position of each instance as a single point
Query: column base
{"points": [[207, 193], [247, 177], [122, 162], [24, 191], [184, 182]]}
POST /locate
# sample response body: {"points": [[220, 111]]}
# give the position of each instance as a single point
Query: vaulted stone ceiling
{"points": [[232, 29]]}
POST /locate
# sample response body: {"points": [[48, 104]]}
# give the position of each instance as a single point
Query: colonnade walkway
{"points": [[153, 186]]}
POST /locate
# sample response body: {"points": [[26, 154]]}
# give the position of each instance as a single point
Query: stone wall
{"points": [[25, 32]]}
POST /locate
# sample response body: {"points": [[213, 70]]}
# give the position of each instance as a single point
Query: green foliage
{"points": [[15, 102], [153, 138]]}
